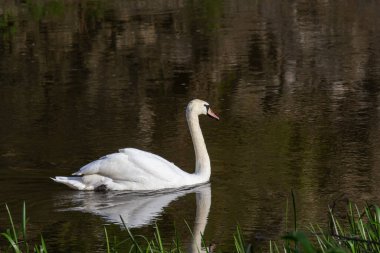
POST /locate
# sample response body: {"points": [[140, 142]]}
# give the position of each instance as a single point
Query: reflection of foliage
{"points": [[42, 9], [7, 25], [39, 9], [228, 82], [207, 13], [211, 13], [94, 11]]}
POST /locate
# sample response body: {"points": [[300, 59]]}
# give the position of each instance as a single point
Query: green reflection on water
{"points": [[39, 10]]}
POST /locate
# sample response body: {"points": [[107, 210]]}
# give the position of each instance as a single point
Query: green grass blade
{"points": [[188, 227], [12, 242], [192, 234], [204, 244], [36, 249], [24, 222], [131, 236], [239, 241], [177, 241], [12, 225], [107, 240], [23, 227], [149, 248], [300, 238], [43, 245], [294, 211], [286, 214], [158, 239]]}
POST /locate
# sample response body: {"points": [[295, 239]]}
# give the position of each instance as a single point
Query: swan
{"points": [[137, 170]]}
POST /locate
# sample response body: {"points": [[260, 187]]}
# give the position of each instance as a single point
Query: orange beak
{"points": [[211, 114]]}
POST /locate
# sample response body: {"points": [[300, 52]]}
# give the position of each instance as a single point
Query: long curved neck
{"points": [[202, 160]]}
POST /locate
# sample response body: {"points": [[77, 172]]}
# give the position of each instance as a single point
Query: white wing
{"points": [[133, 165]]}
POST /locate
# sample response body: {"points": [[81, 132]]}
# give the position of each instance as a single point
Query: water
{"points": [[296, 85]]}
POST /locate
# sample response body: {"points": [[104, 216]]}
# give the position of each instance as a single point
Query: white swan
{"points": [[133, 169]]}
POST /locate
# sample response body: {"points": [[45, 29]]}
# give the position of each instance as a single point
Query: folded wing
{"points": [[133, 165]]}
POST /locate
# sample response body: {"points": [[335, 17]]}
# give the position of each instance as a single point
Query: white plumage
{"points": [[133, 169]]}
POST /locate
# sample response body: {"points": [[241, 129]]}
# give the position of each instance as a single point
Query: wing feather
{"points": [[132, 165]]}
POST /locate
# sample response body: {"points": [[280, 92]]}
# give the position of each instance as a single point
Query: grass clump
{"points": [[141, 244], [358, 232], [17, 236]]}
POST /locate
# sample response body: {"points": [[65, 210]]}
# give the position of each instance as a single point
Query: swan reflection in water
{"points": [[140, 209]]}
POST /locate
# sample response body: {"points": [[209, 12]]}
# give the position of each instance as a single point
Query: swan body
{"points": [[133, 169]]}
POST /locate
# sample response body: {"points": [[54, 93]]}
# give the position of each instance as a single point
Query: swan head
{"points": [[199, 107]]}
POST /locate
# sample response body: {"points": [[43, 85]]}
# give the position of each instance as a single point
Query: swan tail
{"points": [[72, 182]]}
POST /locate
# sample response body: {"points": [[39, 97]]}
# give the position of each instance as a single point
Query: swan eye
{"points": [[207, 107]]}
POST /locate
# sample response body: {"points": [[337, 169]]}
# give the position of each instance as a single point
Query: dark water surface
{"points": [[296, 84]]}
